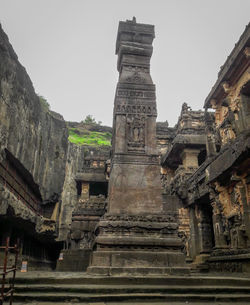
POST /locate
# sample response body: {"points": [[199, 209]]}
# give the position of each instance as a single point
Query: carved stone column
{"points": [[219, 234], [190, 158], [194, 234], [210, 134], [85, 191], [246, 206], [205, 233], [135, 233], [220, 238]]}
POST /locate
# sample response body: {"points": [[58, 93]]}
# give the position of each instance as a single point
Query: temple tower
{"points": [[136, 234]]}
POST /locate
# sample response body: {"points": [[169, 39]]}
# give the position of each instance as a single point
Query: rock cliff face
{"points": [[69, 195], [36, 136]]}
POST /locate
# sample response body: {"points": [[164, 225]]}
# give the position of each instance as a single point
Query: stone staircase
{"points": [[79, 288]]}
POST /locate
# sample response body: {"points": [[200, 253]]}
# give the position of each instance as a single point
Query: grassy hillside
{"points": [[87, 137]]}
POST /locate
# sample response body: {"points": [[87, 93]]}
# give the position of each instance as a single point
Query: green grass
{"points": [[89, 137]]}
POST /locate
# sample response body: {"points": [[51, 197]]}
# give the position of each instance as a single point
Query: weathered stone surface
{"points": [[134, 186], [34, 135], [78, 167], [74, 260], [135, 189]]}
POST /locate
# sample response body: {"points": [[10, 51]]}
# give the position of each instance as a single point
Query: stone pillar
{"points": [[219, 236], [135, 233], [134, 179], [246, 207], [205, 231], [85, 191], [210, 134], [190, 158], [218, 225], [205, 228], [194, 234], [242, 228]]}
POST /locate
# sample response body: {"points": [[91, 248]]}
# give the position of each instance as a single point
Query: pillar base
{"points": [[137, 244]]}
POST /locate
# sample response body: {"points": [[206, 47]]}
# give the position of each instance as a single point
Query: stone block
{"points": [[74, 260]]}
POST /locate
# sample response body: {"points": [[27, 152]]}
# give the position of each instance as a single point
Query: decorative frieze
{"points": [[136, 159], [144, 94], [133, 107], [135, 69], [141, 218]]}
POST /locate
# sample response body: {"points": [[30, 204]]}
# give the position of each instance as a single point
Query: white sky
{"points": [[68, 49]]}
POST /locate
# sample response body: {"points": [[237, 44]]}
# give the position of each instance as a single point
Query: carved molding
{"points": [[124, 108], [142, 218], [136, 94], [131, 68], [136, 159]]}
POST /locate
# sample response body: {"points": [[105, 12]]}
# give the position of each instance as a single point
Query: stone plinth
{"points": [[143, 243]]}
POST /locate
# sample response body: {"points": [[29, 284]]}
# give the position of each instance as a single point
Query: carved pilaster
{"points": [[210, 134], [219, 225]]}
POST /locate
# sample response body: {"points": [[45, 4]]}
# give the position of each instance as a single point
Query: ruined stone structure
{"points": [[160, 200]]}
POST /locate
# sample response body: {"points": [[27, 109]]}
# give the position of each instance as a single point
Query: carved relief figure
{"points": [[136, 132]]}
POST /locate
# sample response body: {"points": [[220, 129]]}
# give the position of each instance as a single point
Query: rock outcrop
{"points": [[36, 136]]}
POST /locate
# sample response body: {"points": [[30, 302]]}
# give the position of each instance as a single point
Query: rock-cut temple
{"points": [[158, 200]]}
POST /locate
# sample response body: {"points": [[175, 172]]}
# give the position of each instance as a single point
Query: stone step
{"points": [[199, 268], [138, 271], [87, 297], [38, 288], [133, 302], [19, 288], [63, 278]]}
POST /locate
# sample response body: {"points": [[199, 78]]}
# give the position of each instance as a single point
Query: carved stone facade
{"points": [[211, 175], [92, 191]]}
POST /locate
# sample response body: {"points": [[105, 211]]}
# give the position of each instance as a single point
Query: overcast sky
{"points": [[68, 49]]}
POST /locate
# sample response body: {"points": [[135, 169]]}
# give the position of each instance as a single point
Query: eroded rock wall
{"points": [[69, 195], [36, 136]]}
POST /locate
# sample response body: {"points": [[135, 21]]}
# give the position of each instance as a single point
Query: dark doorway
{"points": [[98, 188]]}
